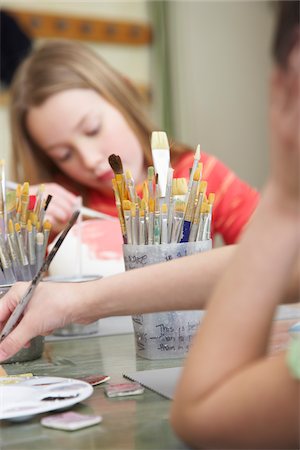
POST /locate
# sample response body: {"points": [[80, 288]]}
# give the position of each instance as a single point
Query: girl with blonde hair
{"points": [[70, 110]]}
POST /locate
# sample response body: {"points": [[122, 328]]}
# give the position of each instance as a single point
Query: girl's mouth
{"points": [[106, 176]]}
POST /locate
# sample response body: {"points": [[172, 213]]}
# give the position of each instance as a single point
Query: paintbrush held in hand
{"points": [[19, 309], [170, 209]]}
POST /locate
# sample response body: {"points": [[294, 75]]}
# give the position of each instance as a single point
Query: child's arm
{"points": [[227, 386]]}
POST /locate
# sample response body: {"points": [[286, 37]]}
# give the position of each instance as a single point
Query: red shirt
{"points": [[235, 200], [234, 203]]}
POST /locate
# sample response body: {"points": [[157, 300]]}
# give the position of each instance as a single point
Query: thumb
{"points": [[14, 342]]}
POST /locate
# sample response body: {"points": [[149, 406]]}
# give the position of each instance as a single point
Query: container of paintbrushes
{"points": [[163, 335], [30, 353]]}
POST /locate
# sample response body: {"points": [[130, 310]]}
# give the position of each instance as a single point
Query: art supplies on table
{"points": [[123, 389], [171, 218], [161, 381], [39, 394], [169, 209], [18, 311], [70, 421], [95, 380]]}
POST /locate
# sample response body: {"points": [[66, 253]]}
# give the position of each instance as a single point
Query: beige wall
{"points": [[220, 61]]}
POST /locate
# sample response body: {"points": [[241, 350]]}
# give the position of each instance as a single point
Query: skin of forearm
{"points": [[236, 329], [184, 283], [292, 294]]}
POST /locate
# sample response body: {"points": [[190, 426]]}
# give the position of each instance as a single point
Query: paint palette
{"points": [[37, 395]]}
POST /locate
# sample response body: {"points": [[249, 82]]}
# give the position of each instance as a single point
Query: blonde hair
{"points": [[52, 68]]}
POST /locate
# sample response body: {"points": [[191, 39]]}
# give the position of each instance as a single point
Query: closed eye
{"points": [[65, 156], [92, 132]]}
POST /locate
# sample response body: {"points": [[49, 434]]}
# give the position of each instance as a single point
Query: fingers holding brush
{"points": [[51, 307], [10, 301], [18, 338]]}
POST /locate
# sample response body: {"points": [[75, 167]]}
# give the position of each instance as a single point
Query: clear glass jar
{"points": [[36, 347]]}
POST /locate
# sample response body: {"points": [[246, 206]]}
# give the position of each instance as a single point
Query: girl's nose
{"points": [[90, 156]]}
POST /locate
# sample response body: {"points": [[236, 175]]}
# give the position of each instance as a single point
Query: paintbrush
{"points": [[117, 167], [2, 197], [190, 207], [24, 204], [177, 220], [161, 158], [150, 180], [119, 209], [18, 311], [196, 219], [88, 212], [127, 217], [130, 186], [197, 157], [10, 205]]}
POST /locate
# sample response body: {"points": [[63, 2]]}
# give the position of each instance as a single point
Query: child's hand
{"points": [[61, 207], [50, 308]]}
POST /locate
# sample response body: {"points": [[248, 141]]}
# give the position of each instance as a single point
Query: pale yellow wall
{"points": [[220, 63]]}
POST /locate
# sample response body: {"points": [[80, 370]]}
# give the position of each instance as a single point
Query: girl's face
{"points": [[78, 129]]}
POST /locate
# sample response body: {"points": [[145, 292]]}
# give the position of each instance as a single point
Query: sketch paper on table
{"points": [[101, 250]]}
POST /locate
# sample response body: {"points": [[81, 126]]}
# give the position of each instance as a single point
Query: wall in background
{"points": [[133, 61], [220, 63]]}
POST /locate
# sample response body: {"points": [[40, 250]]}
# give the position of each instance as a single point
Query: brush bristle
{"points": [[159, 140], [116, 164], [33, 218], [179, 206], [47, 225], [10, 200], [179, 186], [133, 210], [11, 226], [197, 155], [25, 188], [211, 198], [126, 205], [203, 186], [150, 172], [197, 174], [151, 205], [164, 208], [29, 226]]}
